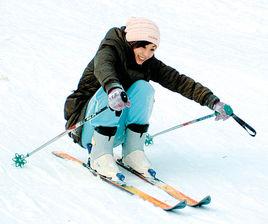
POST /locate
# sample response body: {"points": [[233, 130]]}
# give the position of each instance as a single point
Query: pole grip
{"points": [[124, 97]]}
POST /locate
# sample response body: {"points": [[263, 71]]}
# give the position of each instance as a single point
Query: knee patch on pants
{"points": [[107, 131], [138, 128]]}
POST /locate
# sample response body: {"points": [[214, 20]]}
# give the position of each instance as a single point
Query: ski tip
{"points": [[205, 201], [180, 205]]}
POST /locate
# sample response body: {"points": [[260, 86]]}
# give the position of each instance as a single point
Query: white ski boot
{"points": [[133, 150], [101, 154]]}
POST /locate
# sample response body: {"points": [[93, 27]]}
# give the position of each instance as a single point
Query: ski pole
{"points": [[20, 159], [149, 138], [251, 131]]}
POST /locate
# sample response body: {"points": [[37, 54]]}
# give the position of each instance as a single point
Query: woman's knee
{"points": [[143, 87]]}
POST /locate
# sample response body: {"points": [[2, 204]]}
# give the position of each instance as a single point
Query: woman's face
{"points": [[144, 53]]}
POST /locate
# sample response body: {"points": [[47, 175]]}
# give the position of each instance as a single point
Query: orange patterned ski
{"points": [[168, 188], [123, 185]]}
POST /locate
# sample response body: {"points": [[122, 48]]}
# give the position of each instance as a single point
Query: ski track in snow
{"points": [[44, 48]]}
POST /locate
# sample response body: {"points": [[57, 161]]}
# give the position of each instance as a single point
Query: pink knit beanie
{"points": [[139, 29]]}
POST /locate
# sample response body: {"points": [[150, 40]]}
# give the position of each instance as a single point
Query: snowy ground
{"points": [[45, 46]]}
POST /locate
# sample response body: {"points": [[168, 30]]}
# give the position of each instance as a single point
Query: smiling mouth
{"points": [[140, 59]]}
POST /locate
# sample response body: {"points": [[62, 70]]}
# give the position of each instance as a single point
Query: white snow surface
{"points": [[44, 48]]}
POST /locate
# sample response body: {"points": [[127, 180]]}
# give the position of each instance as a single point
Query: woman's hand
{"points": [[118, 99], [224, 111]]}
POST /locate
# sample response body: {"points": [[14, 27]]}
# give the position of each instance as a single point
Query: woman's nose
{"points": [[146, 53]]}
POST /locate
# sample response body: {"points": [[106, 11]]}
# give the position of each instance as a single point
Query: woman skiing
{"points": [[118, 76]]}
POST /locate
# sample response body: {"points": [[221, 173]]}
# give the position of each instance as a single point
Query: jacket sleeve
{"points": [[171, 79], [105, 67]]}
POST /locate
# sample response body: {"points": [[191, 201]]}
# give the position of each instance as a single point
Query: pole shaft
{"points": [[184, 124], [72, 128]]}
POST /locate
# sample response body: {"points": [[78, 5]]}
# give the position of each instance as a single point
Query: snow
{"points": [[44, 48]]}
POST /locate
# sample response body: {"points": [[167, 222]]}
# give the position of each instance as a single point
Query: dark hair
{"points": [[140, 43]]}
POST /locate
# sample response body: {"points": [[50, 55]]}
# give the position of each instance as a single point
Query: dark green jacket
{"points": [[114, 63]]}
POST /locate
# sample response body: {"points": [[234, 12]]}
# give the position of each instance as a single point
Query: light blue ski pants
{"points": [[141, 96]]}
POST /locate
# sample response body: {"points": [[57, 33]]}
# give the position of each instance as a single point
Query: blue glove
{"points": [[224, 111]]}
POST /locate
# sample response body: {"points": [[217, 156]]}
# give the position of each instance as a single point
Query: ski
{"points": [[167, 188], [123, 185]]}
